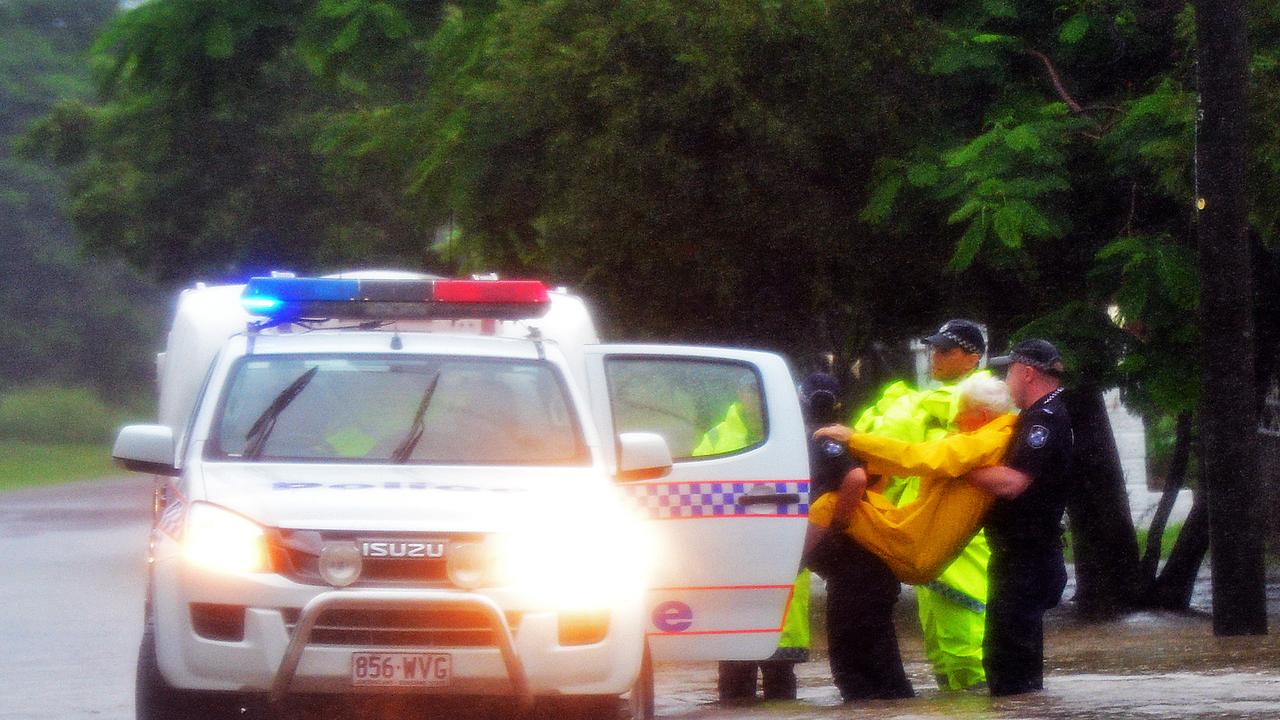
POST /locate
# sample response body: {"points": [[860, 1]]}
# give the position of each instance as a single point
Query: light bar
{"points": [[491, 291], [286, 299]]}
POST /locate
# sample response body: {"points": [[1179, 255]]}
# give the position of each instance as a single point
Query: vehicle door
{"points": [[731, 514]]}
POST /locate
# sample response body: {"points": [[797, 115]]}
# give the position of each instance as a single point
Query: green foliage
{"points": [[636, 151], [52, 415], [1264, 119], [62, 310], [1008, 177], [694, 168], [202, 161], [795, 175], [969, 51], [1079, 179], [1074, 29], [1152, 138], [1091, 343], [1161, 437]]}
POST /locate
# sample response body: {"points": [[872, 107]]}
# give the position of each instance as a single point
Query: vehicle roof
{"points": [[380, 341]]}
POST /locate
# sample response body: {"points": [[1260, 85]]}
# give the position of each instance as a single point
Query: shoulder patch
{"points": [[1037, 436]]}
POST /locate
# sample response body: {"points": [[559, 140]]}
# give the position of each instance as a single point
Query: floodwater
{"points": [[72, 558], [1147, 665]]}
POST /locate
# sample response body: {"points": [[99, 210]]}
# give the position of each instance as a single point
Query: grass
{"points": [[1167, 540], [26, 464]]}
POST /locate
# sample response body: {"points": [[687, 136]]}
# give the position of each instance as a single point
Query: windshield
{"points": [[396, 409]]}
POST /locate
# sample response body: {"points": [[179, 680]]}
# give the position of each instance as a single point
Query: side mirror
{"points": [[145, 448], [642, 456]]}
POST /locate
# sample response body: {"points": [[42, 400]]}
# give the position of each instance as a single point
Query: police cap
{"points": [[965, 334], [1037, 353]]}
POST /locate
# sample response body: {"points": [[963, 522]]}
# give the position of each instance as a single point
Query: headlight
{"points": [[590, 564], [218, 539]]}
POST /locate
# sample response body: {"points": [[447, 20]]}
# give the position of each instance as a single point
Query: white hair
{"points": [[984, 391]]}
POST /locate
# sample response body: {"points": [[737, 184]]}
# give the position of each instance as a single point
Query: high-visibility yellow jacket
{"points": [[728, 435], [919, 539]]}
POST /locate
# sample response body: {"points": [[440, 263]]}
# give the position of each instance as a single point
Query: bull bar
{"points": [[377, 599]]}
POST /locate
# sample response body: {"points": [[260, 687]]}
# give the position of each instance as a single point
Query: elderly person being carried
{"points": [[918, 540]]}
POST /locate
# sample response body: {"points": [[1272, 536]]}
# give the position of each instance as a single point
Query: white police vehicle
{"points": [[395, 483]]}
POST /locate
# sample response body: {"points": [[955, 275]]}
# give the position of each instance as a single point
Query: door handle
{"points": [[769, 499]]}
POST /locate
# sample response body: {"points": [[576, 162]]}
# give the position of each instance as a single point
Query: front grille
{"points": [[402, 627], [296, 555]]}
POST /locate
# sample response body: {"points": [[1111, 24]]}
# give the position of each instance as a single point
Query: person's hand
{"points": [[852, 487], [839, 433]]}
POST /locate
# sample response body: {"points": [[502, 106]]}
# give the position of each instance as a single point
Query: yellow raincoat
{"points": [[919, 539]]}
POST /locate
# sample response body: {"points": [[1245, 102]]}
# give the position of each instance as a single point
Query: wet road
{"points": [[72, 559], [73, 563]]}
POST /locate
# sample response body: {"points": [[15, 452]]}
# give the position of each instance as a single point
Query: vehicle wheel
{"points": [[156, 699], [640, 702]]}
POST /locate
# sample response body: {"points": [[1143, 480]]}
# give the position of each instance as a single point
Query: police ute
{"points": [[389, 482]]}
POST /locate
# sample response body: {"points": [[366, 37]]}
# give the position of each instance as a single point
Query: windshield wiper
{"points": [[406, 446], [260, 430]]}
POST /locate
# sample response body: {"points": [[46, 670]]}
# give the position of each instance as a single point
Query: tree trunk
{"points": [[1102, 535], [1228, 420], [1173, 483], [1172, 590]]}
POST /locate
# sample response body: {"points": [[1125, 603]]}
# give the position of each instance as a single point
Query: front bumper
{"points": [[278, 652], [376, 599]]}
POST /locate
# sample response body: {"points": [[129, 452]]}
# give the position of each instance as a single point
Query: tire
{"points": [[640, 702], [156, 699]]}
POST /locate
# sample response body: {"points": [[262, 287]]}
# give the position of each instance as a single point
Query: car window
{"points": [[702, 407], [363, 409]]}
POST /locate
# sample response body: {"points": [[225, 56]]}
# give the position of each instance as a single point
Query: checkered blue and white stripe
{"points": [[675, 500]]}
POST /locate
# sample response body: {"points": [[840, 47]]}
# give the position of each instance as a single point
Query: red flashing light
{"points": [[289, 299], [496, 292]]}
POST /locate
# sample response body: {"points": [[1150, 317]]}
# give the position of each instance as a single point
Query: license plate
{"points": [[401, 669]]}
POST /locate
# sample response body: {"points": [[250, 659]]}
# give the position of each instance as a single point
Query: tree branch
{"points": [[1057, 81]]}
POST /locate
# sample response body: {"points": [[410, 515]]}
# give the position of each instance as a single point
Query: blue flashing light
{"points": [[261, 304], [304, 289], [287, 299]]}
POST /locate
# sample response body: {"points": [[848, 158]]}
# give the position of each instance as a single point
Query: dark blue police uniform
{"points": [[861, 591], [1027, 572]]}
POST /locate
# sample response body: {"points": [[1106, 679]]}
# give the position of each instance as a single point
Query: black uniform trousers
{"points": [[737, 679], [862, 642], [1024, 584]]}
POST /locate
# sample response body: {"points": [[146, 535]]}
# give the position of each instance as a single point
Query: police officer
{"points": [[1027, 571], [951, 607], [861, 589]]}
